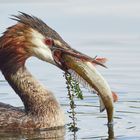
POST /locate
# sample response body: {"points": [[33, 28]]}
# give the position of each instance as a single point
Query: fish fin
{"points": [[102, 60], [102, 106], [115, 96]]}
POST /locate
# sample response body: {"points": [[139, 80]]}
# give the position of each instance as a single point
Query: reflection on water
{"points": [[57, 134], [109, 137]]}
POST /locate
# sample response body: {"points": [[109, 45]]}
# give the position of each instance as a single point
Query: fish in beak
{"points": [[83, 67]]}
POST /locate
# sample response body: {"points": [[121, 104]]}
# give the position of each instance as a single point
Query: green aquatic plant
{"points": [[73, 86], [74, 91]]}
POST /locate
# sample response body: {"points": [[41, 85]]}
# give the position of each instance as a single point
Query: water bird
{"points": [[30, 36]]}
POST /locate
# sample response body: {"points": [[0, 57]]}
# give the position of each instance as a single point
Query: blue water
{"points": [[104, 28]]}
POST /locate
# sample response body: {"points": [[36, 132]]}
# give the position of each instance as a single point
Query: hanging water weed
{"points": [[74, 91]]}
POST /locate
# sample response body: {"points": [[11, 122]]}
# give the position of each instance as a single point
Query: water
{"points": [[103, 28]]}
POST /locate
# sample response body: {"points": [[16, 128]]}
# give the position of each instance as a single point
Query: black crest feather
{"points": [[37, 24]]}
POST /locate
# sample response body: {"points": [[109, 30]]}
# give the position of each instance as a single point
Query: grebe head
{"points": [[32, 37]]}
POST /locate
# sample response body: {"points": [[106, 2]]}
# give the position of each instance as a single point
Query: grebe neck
{"points": [[36, 99]]}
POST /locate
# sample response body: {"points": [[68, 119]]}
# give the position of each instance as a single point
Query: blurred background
{"points": [[105, 28]]}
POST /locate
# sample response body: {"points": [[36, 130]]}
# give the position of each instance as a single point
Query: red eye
{"points": [[49, 41]]}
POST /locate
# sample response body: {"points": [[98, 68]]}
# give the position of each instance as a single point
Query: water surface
{"points": [[96, 28]]}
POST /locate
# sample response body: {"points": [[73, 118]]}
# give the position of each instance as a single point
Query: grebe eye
{"points": [[49, 41]]}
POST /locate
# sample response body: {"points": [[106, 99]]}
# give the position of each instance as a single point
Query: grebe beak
{"points": [[83, 67]]}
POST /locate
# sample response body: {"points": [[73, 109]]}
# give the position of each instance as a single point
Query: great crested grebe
{"points": [[32, 37]]}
